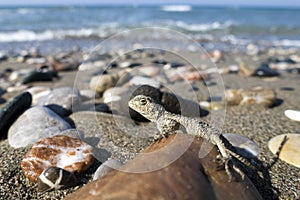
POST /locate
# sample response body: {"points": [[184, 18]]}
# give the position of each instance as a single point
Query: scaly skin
{"points": [[168, 122]]}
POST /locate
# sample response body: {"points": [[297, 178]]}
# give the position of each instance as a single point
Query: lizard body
{"points": [[168, 122]]}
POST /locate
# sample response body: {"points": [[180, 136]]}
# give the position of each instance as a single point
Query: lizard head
{"points": [[146, 107]]}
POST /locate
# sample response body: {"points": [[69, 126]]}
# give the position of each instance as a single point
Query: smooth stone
{"points": [[68, 153], [31, 61], [66, 97], [243, 145], [12, 110], [38, 92], [113, 92], [103, 82], [91, 66], [93, 106], [60, 179], [188, 177], [290, 152], [38, 75], [106, 167], [150, 70], [265, 97], [61, 111], [35, 124], [88, 94], [293, 114], [140, 80], [265, 71]]}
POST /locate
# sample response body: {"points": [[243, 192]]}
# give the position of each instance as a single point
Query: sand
{"points": [[256, 122]]}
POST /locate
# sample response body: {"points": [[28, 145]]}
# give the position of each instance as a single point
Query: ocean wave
{"points": [[287, 43], [176, 8], [205, 26]]}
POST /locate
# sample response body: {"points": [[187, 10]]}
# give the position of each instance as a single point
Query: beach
{"points": [[196, 63]]}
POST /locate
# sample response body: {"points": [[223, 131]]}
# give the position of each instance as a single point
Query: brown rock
{"points": [[70, 154], [186, 178]]}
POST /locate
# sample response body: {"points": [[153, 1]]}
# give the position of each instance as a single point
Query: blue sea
{"points": [[85, 26]]}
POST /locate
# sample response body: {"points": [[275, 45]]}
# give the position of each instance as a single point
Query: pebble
{"points": [[106, 167], [140, 80], [293, 114], [66, 97], [70, 154], [31, 61], [55, 178], [39, 75], [38, 92], [290, 152], [106, 81], [35, 124], [12, 110], [150, 70], [266, 97], [265, 71], [88, 94], [114, 94], [91, 66], [244, 145]]}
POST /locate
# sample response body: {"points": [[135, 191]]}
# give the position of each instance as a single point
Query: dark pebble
{"points": [[161, 62], [61, 111], [12, 110], [38, 75], [284, 60], [176, 64], [134, 65], [265, 71]]}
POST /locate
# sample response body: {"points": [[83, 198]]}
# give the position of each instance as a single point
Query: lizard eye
{"points": [[143, 101]]}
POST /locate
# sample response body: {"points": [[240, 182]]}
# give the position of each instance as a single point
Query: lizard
{"points": [[167, 122]]}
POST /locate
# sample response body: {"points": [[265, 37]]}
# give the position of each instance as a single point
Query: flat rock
{"points": [[290, 152], [61, 151], [35, 124], [186, 178], [12, 110], [67, 97]]}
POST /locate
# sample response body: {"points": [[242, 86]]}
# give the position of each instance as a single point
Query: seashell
{"points": [[54, 178], [290, 151], [107, 167], [244, 145], [62, 151], [292, 114]]}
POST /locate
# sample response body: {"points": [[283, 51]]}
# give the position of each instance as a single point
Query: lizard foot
{"points": [[226, 163]]}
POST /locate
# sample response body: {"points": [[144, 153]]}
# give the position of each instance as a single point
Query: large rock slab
{"points": [[189, 177], [35, 124]]}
